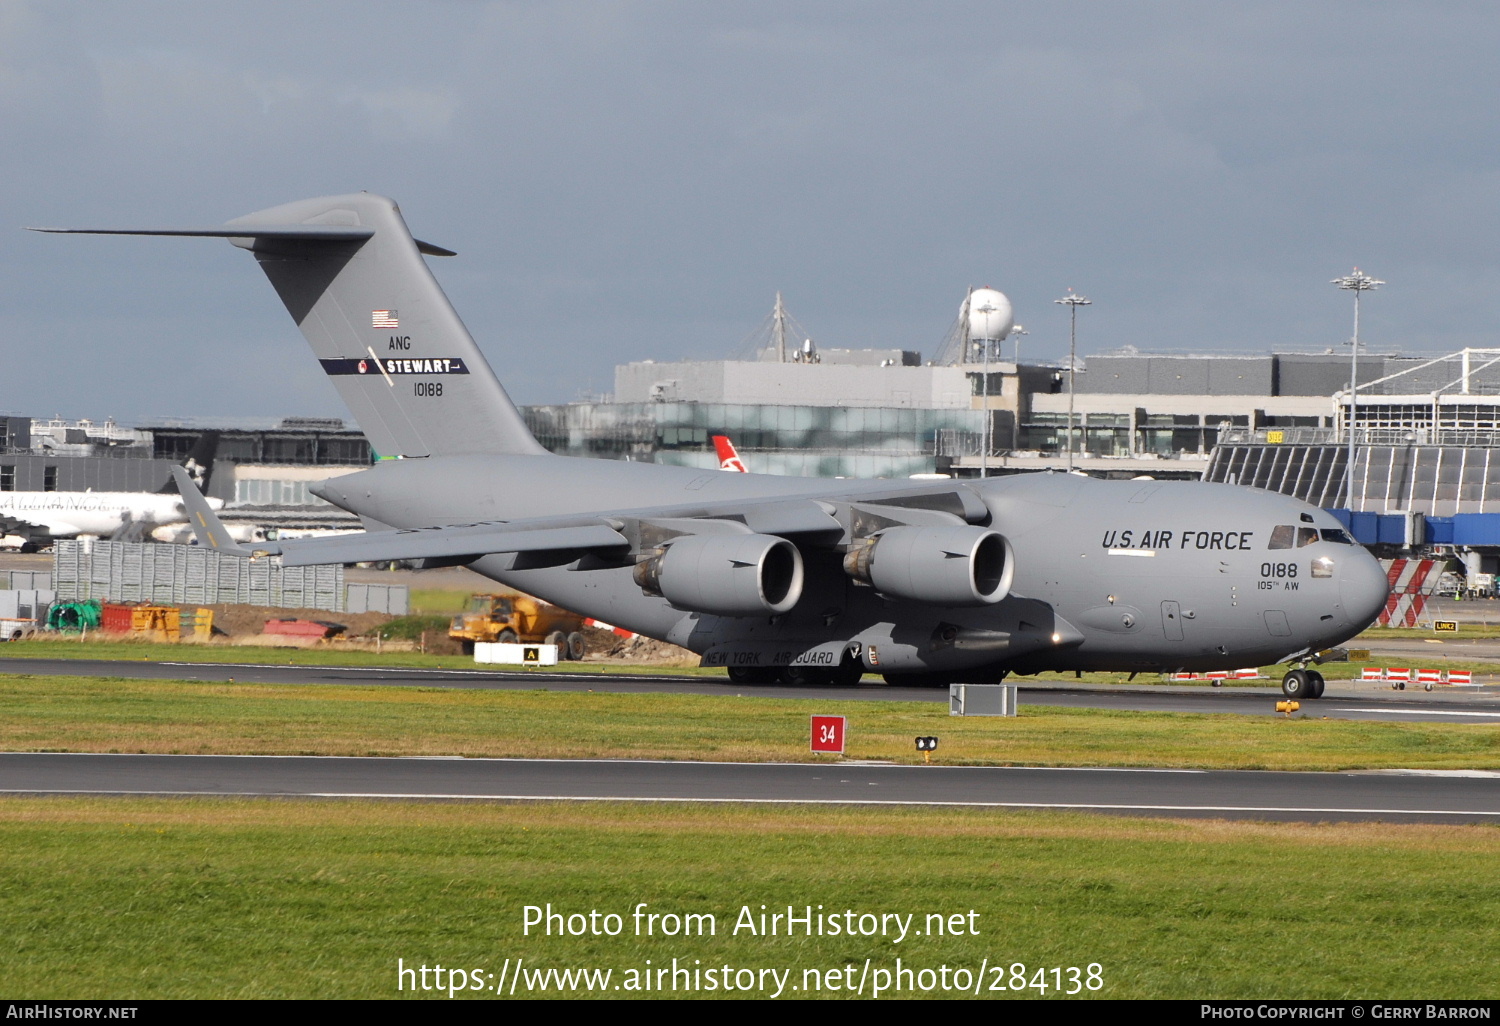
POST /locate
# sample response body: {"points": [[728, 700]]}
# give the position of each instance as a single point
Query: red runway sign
{"points": [[828, 734]]}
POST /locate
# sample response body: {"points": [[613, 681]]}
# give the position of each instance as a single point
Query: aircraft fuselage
{"points": [[1108, 575]]}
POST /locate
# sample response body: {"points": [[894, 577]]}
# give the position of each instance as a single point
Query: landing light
{"points": [[1056, 639]]}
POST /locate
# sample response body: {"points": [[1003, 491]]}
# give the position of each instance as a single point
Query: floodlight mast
{"points": [[1015, 422], [1072, 301], [1357, 282]]}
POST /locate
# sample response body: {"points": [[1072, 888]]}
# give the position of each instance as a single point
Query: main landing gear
{"points": [[1302, 684]]}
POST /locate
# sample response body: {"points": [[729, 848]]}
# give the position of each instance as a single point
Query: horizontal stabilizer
{"points": [[288, 233], [292, 232]]}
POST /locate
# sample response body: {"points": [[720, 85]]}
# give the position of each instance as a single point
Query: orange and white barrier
{"points": [[1372, 673], [1398, 675], [1429, 676], [1461, 678]]}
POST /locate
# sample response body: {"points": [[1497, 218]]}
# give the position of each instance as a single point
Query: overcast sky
{"points": [[630, 181]]}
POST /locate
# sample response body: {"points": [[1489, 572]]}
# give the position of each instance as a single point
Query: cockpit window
{"points": [[1285, 536]]}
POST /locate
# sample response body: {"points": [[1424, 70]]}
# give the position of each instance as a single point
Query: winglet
{"points": [[209, 529]]}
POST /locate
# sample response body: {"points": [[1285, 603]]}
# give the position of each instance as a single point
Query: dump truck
{"points": [[519, 618]]}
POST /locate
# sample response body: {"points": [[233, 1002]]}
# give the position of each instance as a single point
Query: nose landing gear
{"points": [[1302, 684]]}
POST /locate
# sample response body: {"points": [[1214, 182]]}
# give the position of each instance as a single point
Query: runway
{"points": [[1405, 797], [1344, 700]]}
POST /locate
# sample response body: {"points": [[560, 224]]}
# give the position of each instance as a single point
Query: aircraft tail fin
{"points": [[729, 458], [353, 278], [208, 528], [199, 463]]}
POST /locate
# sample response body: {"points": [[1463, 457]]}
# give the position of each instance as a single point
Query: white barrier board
{"points": [[515, 654]]}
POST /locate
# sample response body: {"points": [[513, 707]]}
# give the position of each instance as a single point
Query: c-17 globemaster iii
{"points": [[791, 579]]}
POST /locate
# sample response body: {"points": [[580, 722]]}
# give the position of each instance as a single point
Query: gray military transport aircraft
{"points": [[798, 580]]}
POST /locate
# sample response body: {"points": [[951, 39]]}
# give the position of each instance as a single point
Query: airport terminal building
{"points": [[1425, 431]]}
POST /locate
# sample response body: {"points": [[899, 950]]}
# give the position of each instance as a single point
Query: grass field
{"points": [[437, 600], [126, 898], [124, 715]]}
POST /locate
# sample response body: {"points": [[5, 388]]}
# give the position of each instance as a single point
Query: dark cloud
{"points": [[634, 180]]}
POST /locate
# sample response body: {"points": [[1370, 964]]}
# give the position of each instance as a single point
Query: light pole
{"points": [[984, 391], [1072, 301], [1357, 282], [1015, 421]]}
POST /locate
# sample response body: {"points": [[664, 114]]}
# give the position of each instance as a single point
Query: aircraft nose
{"points": [[1364, 588]]}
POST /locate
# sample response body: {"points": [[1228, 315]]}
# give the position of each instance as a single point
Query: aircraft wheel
{"points": [[507, 637], [847, 674], [1295, 684], [801, 676], [1315, 684], [918, 680], [752, 675], [577, 646]]}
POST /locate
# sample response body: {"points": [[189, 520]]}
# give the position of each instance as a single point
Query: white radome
{"points": [[990, 315]]}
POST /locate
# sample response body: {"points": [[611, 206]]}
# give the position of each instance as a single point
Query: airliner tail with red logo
{"points": [[728, 458]]}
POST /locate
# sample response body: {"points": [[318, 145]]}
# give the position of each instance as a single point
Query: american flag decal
{"points": [[383, 319]]}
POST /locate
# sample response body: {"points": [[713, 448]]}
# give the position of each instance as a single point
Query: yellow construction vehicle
{"points": [[517, 618]]}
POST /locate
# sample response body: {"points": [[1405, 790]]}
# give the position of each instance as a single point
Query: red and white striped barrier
{"points": [[1247, 674], [1412, 581], [1394, 675], [621, 631]]}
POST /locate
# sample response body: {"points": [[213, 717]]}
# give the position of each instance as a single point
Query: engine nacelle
{"points": [[948, 566], [725, 574]]}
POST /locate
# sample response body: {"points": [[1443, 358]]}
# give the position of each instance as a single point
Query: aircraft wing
{"points": [[32, 532], [828, 521], [472, 540]]}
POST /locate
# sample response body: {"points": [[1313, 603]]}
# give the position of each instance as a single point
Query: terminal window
{"points": [[8, 478], [49, 479]]}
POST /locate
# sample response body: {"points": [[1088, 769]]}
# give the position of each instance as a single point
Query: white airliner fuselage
{"points": [[70, 514]]}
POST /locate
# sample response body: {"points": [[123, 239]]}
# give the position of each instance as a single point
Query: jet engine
{"points": [[725, 574], [949, 566]]}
